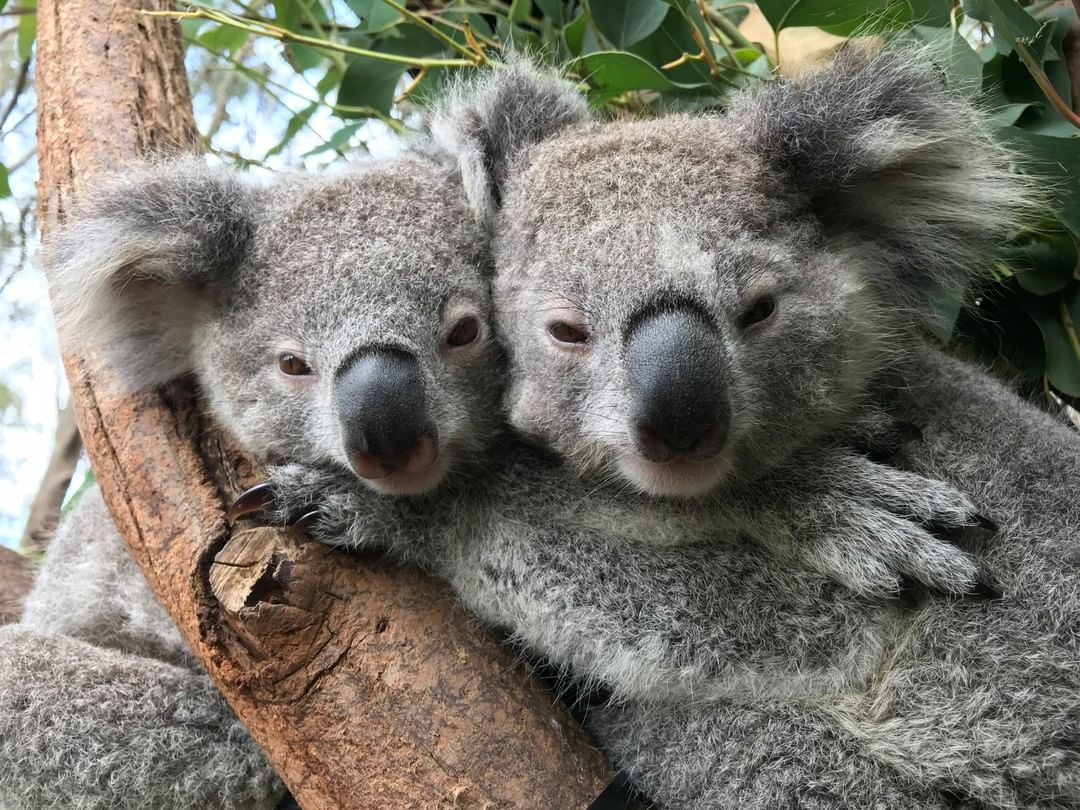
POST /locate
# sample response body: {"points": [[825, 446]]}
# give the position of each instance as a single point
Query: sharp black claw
{"points": [[983, 522], [305, 523], [255, 499]]}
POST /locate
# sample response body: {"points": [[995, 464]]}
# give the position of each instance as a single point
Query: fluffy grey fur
{"points": [[698, 641], [101, 704], [846, 195]]}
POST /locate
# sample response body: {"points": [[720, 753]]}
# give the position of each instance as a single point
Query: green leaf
{"points": [[224, 38], [27, 32], [5, 186], [667, 43], [519, 10], [579, 36], [624, 22], [1011, 22], [1058, 161], [963, 67], [374, 15], [369, 83], [553, 10], [337, 142], [837, 16], [1040, 269], [295, 124], [1062, 362], [1008, 114], [614, 72]]}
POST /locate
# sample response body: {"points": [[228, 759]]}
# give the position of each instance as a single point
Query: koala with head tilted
{"points": [[294, 305], [716, 305], [343, 324]]}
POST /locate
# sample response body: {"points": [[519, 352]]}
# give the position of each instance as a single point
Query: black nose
{"points": [[383, 412], [675, 362]]}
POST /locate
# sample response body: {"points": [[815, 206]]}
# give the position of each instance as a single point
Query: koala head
{"points": [[341, 319], [690, 299]]}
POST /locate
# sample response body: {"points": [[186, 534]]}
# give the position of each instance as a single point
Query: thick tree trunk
{"points": [[368, 687]]}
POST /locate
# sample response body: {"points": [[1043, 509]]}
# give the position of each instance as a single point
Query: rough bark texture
{"points": [[16, 578], [45, 509], [367, 686]]}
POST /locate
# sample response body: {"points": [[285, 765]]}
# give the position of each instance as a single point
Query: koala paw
{"points": [[877, 529], [294, 496]]}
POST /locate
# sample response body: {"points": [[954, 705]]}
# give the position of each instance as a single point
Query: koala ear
{"points": [[132, 272], [889, 158], [488, 123]]}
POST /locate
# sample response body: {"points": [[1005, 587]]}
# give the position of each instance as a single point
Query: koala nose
{"points": [[383, 413], [675, 364]]}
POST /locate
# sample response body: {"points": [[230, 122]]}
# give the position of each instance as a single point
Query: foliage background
{"points": [[307, 83]]}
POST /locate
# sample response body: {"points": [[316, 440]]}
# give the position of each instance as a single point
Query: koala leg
{"points": [[102, 705], [987, 695], [760, 756], [86, 727]]}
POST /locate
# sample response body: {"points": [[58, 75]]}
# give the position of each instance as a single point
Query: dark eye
{"points": [[292, 365], [464, 332], [760, 310], [567, 332]]}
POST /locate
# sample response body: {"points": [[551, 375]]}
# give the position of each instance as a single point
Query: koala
{"points": [[103, 706], [716, 307], [694, 305], [343, 324]]}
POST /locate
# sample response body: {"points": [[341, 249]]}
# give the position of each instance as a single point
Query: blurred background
{"points": [[305, 84]]}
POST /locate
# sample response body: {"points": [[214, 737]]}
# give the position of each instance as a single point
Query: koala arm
{"points": [[758, 756], [870, 526], [90, 727], [579, 580]]}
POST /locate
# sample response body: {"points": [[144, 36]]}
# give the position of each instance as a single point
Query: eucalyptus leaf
{"points": [[1062, 360], [375, 15], [337, 142], [5, 185], [843, 16], [624, 22], [1011, 21], [27, 31], [370, 83], [614, 72]]}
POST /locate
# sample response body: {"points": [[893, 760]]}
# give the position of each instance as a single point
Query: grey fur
{"points": [[101, 704]]}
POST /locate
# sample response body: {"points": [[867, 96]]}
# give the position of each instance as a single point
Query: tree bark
{"points": [[366, 686], [16, 579], [47, 503]]}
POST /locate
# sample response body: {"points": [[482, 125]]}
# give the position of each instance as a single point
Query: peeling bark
{"points": [[367, 686]]}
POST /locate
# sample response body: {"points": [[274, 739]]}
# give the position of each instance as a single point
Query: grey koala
{"points": [[281, 300], [690, 304], [573, 571], [325, 331]]}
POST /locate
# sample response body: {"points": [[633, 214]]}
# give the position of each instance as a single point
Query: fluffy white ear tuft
{"points": [[488, 123], [129, 274]]}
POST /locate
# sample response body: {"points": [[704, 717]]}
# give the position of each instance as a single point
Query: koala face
{"points": [[670, 312], [347, 321], [690, 300]]}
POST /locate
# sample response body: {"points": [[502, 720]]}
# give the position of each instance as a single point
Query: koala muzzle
{"points": [[676, 369], [384, 417]]}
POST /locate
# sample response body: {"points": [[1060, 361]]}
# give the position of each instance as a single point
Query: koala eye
{"points": [[565, 332], [759, 311], [292, 366], [464, 332]]}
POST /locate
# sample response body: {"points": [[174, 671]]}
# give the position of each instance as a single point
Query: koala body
{"points": [[788, 249]]}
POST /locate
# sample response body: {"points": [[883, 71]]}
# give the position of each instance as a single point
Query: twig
{"points": [[266, 29], [1046, 85], [477, 57], [20, 85], [728, 27], [1070, 327]]}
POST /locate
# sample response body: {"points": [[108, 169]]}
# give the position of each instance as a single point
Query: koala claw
{"points": [[305, 523], [985, 588], [251, 500], [989, 524]]}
